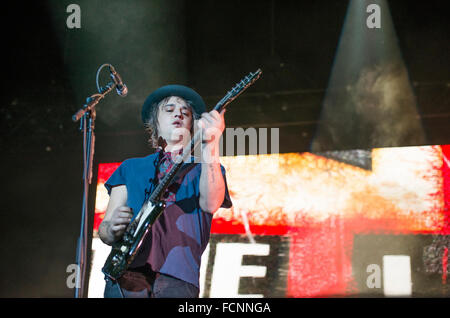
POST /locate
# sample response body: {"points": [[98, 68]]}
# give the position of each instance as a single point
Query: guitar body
{"points": [[124, 251]]}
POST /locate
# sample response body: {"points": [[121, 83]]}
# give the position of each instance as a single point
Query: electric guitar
{"points": [[125, 250]]}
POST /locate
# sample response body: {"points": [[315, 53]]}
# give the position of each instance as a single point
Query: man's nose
{"points": [[179, 113]]}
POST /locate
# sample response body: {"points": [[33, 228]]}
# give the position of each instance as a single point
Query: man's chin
{"points": [[180, 135], [177, 144]]}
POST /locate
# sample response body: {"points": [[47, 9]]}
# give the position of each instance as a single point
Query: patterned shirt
{"points": [[165, 164]]}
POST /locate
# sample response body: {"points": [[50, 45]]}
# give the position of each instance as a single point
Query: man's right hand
{"points": [[117, 217], [120, 219]]}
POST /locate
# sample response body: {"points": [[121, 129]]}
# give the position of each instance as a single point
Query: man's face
{"points": [[174, 120]]}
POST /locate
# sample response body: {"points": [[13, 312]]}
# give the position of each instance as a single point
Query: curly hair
{"points": [[151, 127]]}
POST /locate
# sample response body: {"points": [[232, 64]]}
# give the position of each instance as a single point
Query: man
{"points": [[168, 264]]}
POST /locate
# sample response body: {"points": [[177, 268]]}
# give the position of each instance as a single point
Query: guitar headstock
{"points": [[246, 82], [238, 89]]}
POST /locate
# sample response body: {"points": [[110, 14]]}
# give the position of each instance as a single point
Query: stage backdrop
{"points": [[347, 223]]}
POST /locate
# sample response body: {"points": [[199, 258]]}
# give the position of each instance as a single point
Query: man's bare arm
{"points": [[212, 187], [212, 184], [117, 216]]}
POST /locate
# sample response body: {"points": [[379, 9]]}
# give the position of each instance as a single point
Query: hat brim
{"points": [[172, 90]]}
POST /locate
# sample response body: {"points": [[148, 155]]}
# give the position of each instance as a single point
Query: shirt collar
{"points": [[168, 154]]}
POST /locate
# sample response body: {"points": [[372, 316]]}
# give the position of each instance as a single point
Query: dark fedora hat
{"points": [[173, 90]]}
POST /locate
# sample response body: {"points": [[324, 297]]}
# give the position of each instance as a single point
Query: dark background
{"points": [[49, 70]]}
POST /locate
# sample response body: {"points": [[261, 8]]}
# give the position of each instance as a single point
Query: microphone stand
{"points": [[87, 115]]}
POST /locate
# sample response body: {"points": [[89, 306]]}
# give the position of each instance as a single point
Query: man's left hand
{"points": [[213, 125]]}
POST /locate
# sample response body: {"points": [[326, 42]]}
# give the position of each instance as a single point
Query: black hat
{"points": [[173, 90]]}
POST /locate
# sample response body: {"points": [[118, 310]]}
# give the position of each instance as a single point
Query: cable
{"points": [[99, 89], [120, 290]]}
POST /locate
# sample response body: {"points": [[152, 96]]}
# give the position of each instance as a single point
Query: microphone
{"points": [[121, 88]]}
